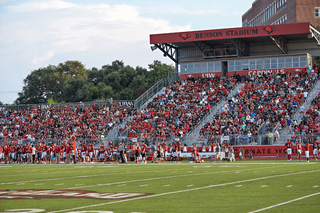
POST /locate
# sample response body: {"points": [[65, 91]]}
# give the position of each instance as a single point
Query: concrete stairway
{"points": [[284, 136]]}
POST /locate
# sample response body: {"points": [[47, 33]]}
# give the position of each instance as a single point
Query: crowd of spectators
{"points": [[310, 122], [35, 124], [179, 109], [268, 99]]}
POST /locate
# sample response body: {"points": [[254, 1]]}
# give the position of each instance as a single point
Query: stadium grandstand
{"points": [[235, 86]]}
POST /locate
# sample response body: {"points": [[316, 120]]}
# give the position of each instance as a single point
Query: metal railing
{"points": [[146, 96]]}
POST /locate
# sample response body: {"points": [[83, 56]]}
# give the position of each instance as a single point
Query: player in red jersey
{"points": [[174, 152], [179, 151], [83, 152], [315, 146], [102, 151], [299, 150], [143, 153], [90, 151], [165, 151], [289, 149], [306, 150], [137, 149], [12, 153], [44, 153], [110, 152]]}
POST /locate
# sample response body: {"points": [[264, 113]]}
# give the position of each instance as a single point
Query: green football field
{"points": [[246, 186]]}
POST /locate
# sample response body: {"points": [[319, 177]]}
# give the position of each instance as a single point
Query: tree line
{"points": [[71, 81]]}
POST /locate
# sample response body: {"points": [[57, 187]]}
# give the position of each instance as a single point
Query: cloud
{"points": [[37, 33]]}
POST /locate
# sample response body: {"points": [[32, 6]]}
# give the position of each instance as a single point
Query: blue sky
{"points": [[36, 33]]}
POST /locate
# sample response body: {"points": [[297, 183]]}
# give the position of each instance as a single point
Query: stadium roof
{"points": [[168, 43], [287, 30]]}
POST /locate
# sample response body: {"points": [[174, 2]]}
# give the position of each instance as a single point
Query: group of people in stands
{"points": [[179, 109], [265, 99], [59, 124]]}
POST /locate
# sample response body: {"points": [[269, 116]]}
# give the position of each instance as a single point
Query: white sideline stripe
{"points": [[186, 190], [280, 204], [165, 177]]}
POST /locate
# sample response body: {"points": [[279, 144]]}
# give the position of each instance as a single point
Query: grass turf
{"points": [[185, 187]]}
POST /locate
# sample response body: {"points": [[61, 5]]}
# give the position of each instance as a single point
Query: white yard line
{"points": [[159, 178], [186, 190], [290, 201]]}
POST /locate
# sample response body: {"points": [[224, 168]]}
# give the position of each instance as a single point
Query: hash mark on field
{"points": [[238, 185], [79, 184], [189, 185], [59, 184], [144, 185], [290, 171], [255, 171], [122, 185], [165, 185], [264, 185], [315, 186], [190, 171], [273, 171], [289, 186], [38, 184], [19, 184]]}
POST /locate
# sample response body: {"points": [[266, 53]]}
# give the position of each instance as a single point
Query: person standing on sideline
{"points": [[218, 153], [57, 152], [143, 153], [299, 150], [137, 154], [33, 154], [154, 152], [289, 149], [306, 151], [315, 150], [121, 152], [68, 153]]}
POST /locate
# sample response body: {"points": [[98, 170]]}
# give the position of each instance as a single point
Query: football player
{"points": [[83, 152], [110, 152], [90, 152], [289, 149], [143, 153], [102, 151]]}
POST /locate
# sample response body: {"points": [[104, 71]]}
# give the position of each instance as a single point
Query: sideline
{"points": [[186, 190], [290, 201]]}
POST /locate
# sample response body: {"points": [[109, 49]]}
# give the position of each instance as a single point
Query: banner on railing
{"points": [[270, 151]]}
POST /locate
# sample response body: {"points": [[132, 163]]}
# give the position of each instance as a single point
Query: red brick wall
{"points": [[305, 11], [296, 10]]}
